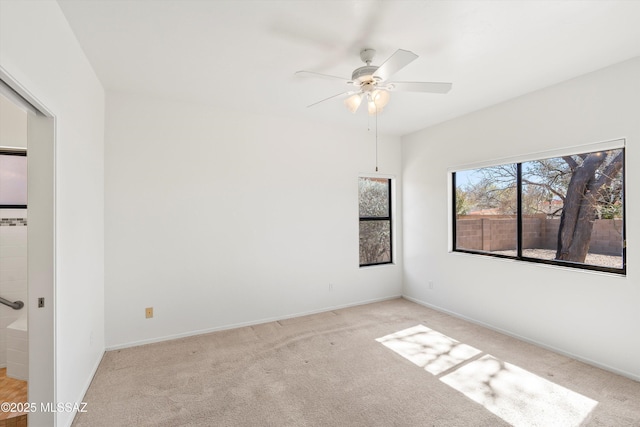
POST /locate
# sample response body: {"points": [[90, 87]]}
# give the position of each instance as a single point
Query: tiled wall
{"points": [[18, 350], [13, 269]]}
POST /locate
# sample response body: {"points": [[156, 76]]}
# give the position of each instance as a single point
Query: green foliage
{"points": [[375, 242], [610, 212], [462, 204], [610, 201], [498, 196], [374, 197], [375, 236]]}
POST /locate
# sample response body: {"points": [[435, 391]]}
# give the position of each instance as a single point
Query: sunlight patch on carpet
{"points": [[519, 397], [429, 349]]}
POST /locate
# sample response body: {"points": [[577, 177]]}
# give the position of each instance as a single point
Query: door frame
{"points": [[41, 247]]}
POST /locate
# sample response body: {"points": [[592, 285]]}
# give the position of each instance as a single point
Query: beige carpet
{"points": [[393, 363]]}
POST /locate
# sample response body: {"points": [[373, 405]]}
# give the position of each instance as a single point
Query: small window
{"points": [[375, 221], [566, 210], [13, 179]]}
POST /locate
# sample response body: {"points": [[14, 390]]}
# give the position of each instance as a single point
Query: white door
{"points": [[41, 273]]}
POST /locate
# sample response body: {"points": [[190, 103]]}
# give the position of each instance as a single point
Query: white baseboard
{"points": [[243, 324], [525, 339], [85, 388]]}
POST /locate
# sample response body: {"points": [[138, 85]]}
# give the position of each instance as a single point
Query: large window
{"points": [[375, 221], [566, 210], [13, 179]]}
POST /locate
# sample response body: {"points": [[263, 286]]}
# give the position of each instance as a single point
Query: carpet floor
{"points": [[392, 363]]}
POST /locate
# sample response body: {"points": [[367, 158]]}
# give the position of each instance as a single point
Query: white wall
{"points": [[219, 219], [13, 125], [39, 50], [589, 315]]}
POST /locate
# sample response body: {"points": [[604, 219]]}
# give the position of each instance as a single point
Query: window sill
{"points": [[527, 262], [385, 264]]}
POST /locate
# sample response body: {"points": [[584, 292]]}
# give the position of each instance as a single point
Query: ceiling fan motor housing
{"points": [[363, 75]]}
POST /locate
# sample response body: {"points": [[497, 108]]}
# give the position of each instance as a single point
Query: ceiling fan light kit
{"points": [[376, 100], [353, 102], [371, 81]]}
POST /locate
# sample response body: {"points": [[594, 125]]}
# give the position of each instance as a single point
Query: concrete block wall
{"points": [[498, 233]]}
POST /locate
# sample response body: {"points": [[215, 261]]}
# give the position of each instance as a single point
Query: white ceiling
{"points": [[242, 55]]}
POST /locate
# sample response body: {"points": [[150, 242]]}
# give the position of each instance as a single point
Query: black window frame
{"points": [[519, 227], [388, 218], [20, 152]]}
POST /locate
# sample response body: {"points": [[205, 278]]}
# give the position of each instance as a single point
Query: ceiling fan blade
{"points": [[331, 97], [400, 59], [430, 87], [320, 75]]}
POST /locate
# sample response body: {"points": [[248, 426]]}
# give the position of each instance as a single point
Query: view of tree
{"points": [[577, 189], [375, 225], [462, 203], [592, 176], [496, 197]]}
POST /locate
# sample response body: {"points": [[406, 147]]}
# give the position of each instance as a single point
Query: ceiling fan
{"points": [[372, 82]]}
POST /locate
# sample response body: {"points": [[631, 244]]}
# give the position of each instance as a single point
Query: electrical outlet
{"points": [[431, 285], [330, 287], [148, 312]]}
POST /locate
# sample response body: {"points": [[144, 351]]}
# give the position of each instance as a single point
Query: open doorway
{"points": [[27, 252], [14, 356]]}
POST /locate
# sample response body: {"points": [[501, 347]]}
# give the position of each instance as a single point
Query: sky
{"points": [[464, 178]]}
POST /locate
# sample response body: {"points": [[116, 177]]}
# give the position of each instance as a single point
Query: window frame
{"points": [[13, 152], [610, 145], [388, 218]]}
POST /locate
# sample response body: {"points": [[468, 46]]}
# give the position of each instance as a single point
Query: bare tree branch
{"points": [[572, 163], [608, 174]]}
